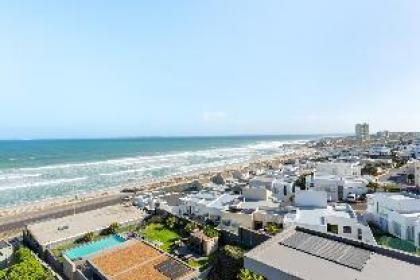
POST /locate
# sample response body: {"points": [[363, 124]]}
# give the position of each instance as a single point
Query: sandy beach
{"points": [[96, 199]]}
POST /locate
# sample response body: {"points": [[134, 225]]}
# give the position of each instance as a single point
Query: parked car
{"points": [[351, 197]]}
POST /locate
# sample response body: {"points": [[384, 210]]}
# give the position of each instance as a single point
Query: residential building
{"points": [[298, 253], [338, 188], [339, 168], [312, 211], [379, 152], [6, 253], [45, 235], [362, 131], [397, 214], [134, 259]]}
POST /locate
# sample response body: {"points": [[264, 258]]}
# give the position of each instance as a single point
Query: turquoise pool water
{"points": [[94, 247]]}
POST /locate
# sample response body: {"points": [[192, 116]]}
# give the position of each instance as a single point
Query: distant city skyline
{"points": [[205, 68]]}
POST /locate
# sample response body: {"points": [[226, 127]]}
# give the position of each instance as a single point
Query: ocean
{"points": [[34, 170]]}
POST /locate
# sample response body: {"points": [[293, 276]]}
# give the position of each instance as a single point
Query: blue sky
{"points": [[141, 68]]}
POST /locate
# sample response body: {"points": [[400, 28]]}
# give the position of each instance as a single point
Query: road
{"points": [[13, 224]]}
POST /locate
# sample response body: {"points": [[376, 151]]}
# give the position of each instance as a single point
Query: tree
{"points": [[190, 227], [211, 232], [228, 264], [170, 222], [26, 267], [246, 274], [301, 182]]}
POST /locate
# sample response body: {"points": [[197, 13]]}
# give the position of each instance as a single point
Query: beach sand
{"points": [[97, 197]]}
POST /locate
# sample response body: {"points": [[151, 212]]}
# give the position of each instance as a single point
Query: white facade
{"points": [[339, 168], [312, 212], [338, 188], [256, 193], [283, 189], [396, 214], [311, 199]]}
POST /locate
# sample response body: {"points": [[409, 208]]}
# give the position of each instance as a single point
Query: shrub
{"points": [[88, 237], [272, 228], [112, 229], [26, 266], [246, 274], [170, 222], [211, 232], [190, 227]]}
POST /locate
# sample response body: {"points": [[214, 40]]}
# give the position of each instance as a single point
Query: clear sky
{"points": [[141, 68]]}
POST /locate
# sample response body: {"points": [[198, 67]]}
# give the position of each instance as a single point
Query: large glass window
{"points": [[347, 229]]}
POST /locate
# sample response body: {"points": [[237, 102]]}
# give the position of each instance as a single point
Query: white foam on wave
{"points": [[44, 183], [108, 173]]}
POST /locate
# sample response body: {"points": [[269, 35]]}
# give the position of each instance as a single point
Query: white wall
{"points": [[256, 193], [311, 199]]}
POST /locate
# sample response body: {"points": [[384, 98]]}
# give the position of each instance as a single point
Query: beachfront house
{"points": [[313, 212], [397, 214], [339, 168], [337, 187]]}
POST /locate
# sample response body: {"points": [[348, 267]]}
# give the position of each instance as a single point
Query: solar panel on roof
{"points": [[172, 269], [331, 250]]}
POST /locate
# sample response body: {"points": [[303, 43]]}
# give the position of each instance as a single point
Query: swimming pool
{"points": [[94, 247]]}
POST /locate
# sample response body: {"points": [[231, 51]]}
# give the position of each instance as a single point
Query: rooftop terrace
{"points": [[136, 260]]}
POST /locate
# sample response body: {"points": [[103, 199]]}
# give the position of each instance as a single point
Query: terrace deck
{"points": [[135, 260]]}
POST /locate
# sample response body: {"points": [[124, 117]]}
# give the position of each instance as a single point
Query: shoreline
{"points": [[26, 211]]}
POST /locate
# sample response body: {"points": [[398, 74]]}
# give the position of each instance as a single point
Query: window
{"points": [[347, 229], [377, 207], [410, 233], [396, 227], [332, 228], [359, 234], [285, 190]]}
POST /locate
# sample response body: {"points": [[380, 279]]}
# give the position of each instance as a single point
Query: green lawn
{"points": [[160, 233]]}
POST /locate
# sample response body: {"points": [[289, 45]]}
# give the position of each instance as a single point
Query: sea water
{"points": [[33, 170]]}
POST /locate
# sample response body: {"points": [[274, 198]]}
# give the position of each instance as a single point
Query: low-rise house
{"points": [[284, 188], [44, 235], [312, 211], [256, 192], [339, 168], [397, 214], [337, 187], [379, 152], [298, 253], [6, 253]]}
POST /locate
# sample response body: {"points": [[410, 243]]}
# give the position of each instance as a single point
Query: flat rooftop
{"points": [[312, 215], [308, 255], [136, 260], [57, 230]]}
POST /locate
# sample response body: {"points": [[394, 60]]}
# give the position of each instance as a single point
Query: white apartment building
{"points": [[339, 168], [337, 187], [397, 214], [362, 131]]}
